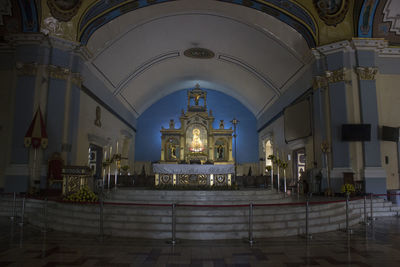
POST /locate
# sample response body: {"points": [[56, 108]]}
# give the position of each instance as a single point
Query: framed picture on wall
{"points": [[92, 156], [92, 166]]}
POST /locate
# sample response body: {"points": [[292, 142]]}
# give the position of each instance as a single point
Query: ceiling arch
{"points": [[140, 55]]}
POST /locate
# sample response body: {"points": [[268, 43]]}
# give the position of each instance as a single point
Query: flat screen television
{"points": [[390, 134], [356, 132]]}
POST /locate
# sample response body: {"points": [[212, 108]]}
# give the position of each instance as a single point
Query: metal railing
{"points": [[174, 206]]}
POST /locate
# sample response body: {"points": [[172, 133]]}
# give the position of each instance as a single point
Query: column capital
{"points": [[56, 72], [334, 76], [366, 73], [320, 82]]}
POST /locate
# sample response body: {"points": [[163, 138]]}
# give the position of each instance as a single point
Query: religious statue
{"points": [[197, 144], [97, 121], [196, 99], [172, 147], [220, 152], [171, 124], [221, 124]]}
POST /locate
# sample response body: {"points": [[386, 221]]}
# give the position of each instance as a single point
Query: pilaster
{"points": [[367, 49]]}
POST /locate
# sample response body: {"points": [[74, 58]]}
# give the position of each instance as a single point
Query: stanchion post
{"points": [[173, 225], [365, 211], [372, 208], [13, 208], [348, 230], [251, 241], [22, 212], [44, 230], [308, 235]]}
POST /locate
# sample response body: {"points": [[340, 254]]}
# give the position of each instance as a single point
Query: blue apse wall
{"points": [[224, 107]]}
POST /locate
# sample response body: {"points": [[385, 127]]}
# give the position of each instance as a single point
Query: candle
{"points": [[110, 151], [117, 147], [109, 176], [115, 179], [105, 155]]}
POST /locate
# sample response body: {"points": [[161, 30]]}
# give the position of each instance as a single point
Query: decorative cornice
{"points": [[55, 72], [366, 73], [389, 52], [369, 43], [64, 44], [320, 82], [336, 75], [26, 38], [335, 47]]}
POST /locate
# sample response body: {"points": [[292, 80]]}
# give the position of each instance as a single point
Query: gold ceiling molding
{"points": [[336, 76], [366, 73], [64, 10], [55, 72], [332, 12]]}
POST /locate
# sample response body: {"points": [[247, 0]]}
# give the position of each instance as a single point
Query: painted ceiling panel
{"points": [[142, 56], [216, 75]]}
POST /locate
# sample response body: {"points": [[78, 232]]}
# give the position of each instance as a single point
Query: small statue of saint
{"points": [[171, 124], [221, 124], [97, 121], [173, 150], [196, 99], [220, 152]]}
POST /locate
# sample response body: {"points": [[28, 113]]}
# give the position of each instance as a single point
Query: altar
{"points": [[193, 174], [196, 153]]}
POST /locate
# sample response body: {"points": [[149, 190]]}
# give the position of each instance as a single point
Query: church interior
{"points": [[211, 102]]}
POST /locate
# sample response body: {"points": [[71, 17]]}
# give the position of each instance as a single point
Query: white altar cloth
{"points": [[193, 168]]}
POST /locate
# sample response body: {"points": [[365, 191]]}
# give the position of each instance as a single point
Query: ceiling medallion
{"points": [[64, 10], [197, 52], [332, 12]]}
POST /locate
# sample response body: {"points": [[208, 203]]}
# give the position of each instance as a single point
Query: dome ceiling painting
{"points": [[252, 50]]}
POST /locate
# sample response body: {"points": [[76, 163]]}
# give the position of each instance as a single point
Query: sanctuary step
{"points": [[192, 222], [197, 196]]}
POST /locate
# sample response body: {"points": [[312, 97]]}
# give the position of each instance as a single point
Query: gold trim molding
{"points": [[366, 73], [55, 72], [336, 76], [319, 82]]}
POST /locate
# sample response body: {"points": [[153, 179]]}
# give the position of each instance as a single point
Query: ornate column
{"points": [[330, 103], [374, 174]]}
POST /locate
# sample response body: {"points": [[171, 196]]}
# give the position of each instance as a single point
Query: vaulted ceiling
{"points": [[140, 55]]}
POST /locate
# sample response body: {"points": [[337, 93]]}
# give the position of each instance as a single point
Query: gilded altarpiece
{"points": [[196, 142]]}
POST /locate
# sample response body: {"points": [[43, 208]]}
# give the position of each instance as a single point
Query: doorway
{"points": [[95, 159], [299, 162]]}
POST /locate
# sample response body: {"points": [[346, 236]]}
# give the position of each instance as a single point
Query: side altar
{"points": [[195, 153]]}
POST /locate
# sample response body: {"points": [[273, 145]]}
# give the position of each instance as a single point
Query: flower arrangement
{"points": [[348, 188], [83, 195]]}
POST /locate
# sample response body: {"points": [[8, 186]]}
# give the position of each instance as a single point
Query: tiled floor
{"points": [[28, 246]]}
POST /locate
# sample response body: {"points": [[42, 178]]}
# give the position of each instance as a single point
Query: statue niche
{"points": [[194, 141]]}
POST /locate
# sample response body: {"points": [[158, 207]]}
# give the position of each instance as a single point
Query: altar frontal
{"points": [[196, 153]]}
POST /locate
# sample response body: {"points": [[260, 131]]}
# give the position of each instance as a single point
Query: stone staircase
{"points": [[200, 222]]}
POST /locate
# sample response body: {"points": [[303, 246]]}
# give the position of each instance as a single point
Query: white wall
{"points": [[112, 130], [388, 95], [276, 130]]}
